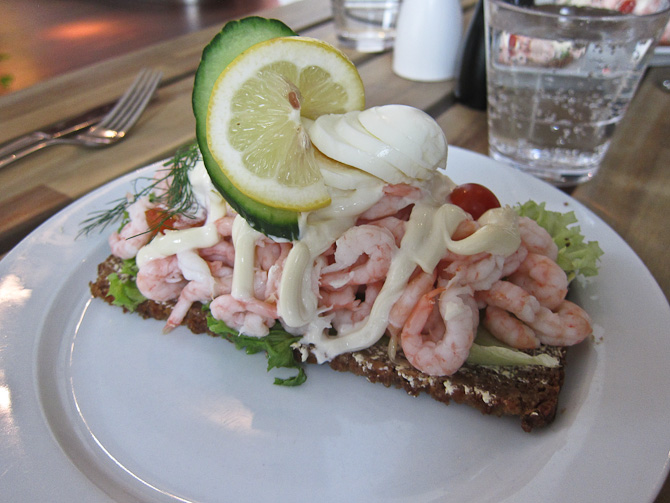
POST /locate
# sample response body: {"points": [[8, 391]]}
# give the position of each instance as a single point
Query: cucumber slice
{"points": [[232, 40]]}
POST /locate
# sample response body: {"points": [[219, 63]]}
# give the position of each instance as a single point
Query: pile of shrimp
{"points": [[520, 299]]}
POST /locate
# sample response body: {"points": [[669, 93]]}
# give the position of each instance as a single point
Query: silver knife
{"points": [[56, 130]]}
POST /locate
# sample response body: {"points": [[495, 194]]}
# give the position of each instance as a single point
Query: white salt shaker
{"points": [[428, 39]]}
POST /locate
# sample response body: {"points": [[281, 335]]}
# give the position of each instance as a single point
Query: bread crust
{"points": [[531, 392]]}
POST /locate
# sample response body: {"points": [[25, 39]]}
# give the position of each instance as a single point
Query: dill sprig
{"points": [[178, 199]]}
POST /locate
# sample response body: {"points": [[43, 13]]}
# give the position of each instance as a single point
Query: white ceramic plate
{"points": [[96, 404]]}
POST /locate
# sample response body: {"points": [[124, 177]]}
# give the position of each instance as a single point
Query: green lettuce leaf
{"points": [[278, 347], [575, 256], [487, 350], [123, 288]]}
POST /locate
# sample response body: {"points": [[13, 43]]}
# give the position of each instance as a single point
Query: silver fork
{"points": [[112, 127]]}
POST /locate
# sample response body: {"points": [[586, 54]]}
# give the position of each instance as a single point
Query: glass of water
{"points": [[560, 78], [366, 25]]}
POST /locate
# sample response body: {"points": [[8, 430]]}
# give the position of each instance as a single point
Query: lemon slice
{"points": [[254, 122]]}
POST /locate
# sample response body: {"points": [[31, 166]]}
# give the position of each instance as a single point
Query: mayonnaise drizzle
{"points": [[244, 241]]}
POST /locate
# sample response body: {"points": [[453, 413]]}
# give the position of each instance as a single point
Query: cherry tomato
{"points": [[474, 198], [157, 221]]}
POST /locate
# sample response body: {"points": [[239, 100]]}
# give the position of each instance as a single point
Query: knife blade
{"points": [[56, 130]]}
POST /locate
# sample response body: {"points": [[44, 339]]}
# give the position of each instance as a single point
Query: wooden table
{"points": [[631, 193]]}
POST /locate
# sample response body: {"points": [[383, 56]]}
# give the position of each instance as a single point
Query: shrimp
{"points": [[279, 253], [513, 261], [161, 279], [509, 329], [135, 234], [273, 283], [345, 318], [250, 316], [197, 291], [568, 325], [223, 251], [446, 354], [543, 279], [512, 298], [536, 239], [393, 224], [479, 271], [224, 225], [363, 255], [269, 253], [395, 199], [340, 298], [419, 285]]}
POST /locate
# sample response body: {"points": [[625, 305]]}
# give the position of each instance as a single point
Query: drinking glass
{"points": [[560, 78], [366, 25]]}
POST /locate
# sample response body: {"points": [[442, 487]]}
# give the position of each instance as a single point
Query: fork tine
{"points": [[131, 104], [126, 120], [123, 101]]}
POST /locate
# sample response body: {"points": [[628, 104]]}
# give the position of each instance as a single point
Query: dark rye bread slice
{"points": [[528, 392]]}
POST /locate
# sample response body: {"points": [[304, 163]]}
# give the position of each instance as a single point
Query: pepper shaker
{"points": [[471, 86], [428, 38]]}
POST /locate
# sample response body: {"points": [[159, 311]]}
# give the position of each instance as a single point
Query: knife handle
{"points": [[19, 153], [21, 143]]}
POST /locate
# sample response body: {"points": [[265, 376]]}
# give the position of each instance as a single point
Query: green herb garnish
{"points": [[278, 347], [123, 288], [178, 199]]}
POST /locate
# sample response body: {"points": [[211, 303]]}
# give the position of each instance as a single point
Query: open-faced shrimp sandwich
{"points": [[308, 227]]}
